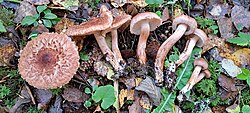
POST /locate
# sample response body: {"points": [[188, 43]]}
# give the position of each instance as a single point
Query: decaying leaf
{"points": [[242, 57], [228, 85], [25, 9], [23, 99], [140, 3], [229, 66], [235, 108], [56, 107], [118, 3], [135, 107], [145, 102], [148, 86], [73, 95], [71, 5], [104, 69], [39, 2], [225, 27], [214, 41], [6, 54], [129, 94], [240, 17], [43, 98]]}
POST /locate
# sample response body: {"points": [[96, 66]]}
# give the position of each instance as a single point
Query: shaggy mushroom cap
{"points": [[147, 17], [188, 21], [96, 24], [49, 61]]}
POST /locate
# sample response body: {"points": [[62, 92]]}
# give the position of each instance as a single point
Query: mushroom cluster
{"points": [[49, 61], [99, 26]]}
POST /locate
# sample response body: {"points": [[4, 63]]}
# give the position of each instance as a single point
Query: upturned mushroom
{"points": [[182, 25], [49, 61], [141, 25], [96, 26], [117, 23], [194, 81], [198, 38], [200, 65]]}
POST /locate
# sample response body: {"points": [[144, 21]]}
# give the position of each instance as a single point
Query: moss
{"points": [[6, 16]]}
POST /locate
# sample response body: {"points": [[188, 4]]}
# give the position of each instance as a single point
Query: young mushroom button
{"points": [[200, 64], [142, 24], [96, 26], [182, 25], [49, 61], [199, 38]]}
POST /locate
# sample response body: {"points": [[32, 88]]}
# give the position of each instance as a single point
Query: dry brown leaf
{"points": [[118, 3], [39, 2], [6, 54], [25, 9], [145, 102], [229, 89], [135, 107], [63, 24], [240, 17], [241, 57], [214, 41], [138, 81], [73, 95], [140, 3], [123, 94]]}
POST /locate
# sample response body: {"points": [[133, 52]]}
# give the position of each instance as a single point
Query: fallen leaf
{"points": [[219, 109], [25, 9], [145, 102], [72, 95], [140, 3], [104, 69], [148, 86], [56, 107], [228, 85], [231, 69], [219, 10], [235, 108], [129, 94], [242, 57], [225, 27], [6, 54], [39, 2], [71, 5], [240, 17], [118, 3], [39, 29], [43, 98], [20, 101], [212, 42], [135, 107]]}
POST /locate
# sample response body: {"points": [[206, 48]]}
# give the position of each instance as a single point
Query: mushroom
{"points": [[49, 61], [200, 64], [194, 81], [183, 25], [117, 23], [199, 38], [142, 24], [96, 26]]}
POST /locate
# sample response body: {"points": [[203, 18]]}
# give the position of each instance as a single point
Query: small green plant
{"points": [[93, 3], [153, 4], [245, 97], [4, 91], [244, 75], [9, 103], [84, 56], [242, 39], [6, 19], [106, 95], [33, 110], [2, 28], [44, 16], [56, 91], [245, 109], [207, 23], [173, 57]]}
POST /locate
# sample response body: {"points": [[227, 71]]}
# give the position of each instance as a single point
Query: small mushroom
{"points": [[49, 61], [199, 38], [142, 24], [96, 26], [194, 81], [117, 22], [183, 25]]}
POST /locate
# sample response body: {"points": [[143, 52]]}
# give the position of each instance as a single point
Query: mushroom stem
{"points": [[164, 49], [110, 57], [187, 51], [141, 54], [115, 47]]}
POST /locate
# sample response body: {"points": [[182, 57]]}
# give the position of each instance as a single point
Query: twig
{"points": [[30, 93]]}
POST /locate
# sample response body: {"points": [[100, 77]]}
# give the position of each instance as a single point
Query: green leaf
{"points": [[106, 94], [242, 40], [50, 16], [248, 80], [87, 90], [167, 103], [28, 20], [87, 104], [47, 23], [35, 23], [154, 1], [84, 56], [158, 13], [2, 28], [41, 8], [46, 11], [245, 109], [1, 1], [244, 74]]}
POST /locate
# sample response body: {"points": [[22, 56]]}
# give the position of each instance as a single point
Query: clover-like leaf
{"points": [[28, 20], [2, 28], [106, 94], [50, 16]]}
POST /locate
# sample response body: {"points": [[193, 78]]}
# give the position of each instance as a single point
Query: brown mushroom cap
{"points": [[207, 73], [49, 61], [202, 37], [201, 62], [96, 24], [153, 19], [184, 19]]}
